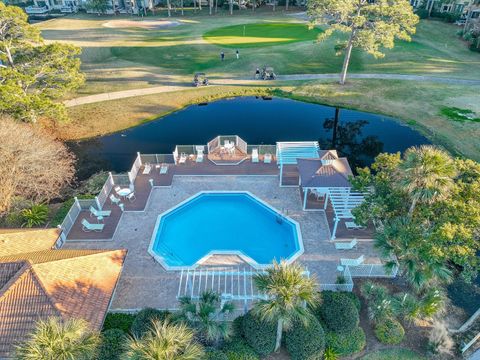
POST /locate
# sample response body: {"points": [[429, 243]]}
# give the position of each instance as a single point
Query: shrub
{"points": [[35, 215], [238, 349], [330, 354], [118, 321], [111, 346], [260, 335], [144, 318], [390, 332], [214, 354], [237, 327], [422, 13], [63, 210], [347, 343], [337, 311], [306, 342]]}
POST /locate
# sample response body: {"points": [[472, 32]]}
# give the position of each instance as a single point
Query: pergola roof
{"points": [[289, 152], [344, 200], [317, 173]]}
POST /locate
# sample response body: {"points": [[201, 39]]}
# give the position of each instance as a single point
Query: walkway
{"points": [[166, 88]]}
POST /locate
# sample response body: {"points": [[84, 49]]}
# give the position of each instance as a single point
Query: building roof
{"points": [[64, 283], [17, 241], [326, 171]]}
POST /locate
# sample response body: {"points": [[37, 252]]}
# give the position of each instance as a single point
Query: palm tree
{"points": [[207, 316], [56, 339], [426, 174], [164, 341], [407, 241], [288, 292]]}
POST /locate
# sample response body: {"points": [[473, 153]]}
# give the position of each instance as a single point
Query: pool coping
{"points": [[238, 253]]}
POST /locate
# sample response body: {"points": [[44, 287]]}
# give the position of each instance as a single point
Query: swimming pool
{"points": [[224, 223]]}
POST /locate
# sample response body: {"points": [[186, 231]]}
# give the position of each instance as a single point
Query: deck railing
{"points": [[157, 159], [373, 270], [102, 196], [137, 164], [263, 149]]}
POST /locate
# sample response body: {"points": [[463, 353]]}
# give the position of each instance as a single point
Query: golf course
{"points": [[159, 63]]}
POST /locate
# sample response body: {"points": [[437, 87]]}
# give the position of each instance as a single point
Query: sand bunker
{"points": [[143, 24]]}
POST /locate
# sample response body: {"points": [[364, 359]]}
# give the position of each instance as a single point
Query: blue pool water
{"points": [[224, 223]]}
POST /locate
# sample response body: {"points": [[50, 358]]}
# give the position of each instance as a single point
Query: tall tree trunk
{"points": [[200, 5], [231, 7], [168, 8], [278, 341], [412, 207], [216, 6], [254, 4], [274, 4], [210, 6], [286, 5], [181, 5], [346, 60], [9, 57]]}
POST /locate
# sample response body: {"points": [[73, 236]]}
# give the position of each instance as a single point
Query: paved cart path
{"points": [[166, 88]]}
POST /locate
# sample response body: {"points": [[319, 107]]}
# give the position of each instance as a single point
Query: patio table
{"points": [[124, 192]]}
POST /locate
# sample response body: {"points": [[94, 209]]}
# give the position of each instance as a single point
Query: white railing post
{"points": [[98, 202], [139, 158], [78, 203]]}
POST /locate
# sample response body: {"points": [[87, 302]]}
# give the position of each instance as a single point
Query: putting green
{"points": [[264, 34]]}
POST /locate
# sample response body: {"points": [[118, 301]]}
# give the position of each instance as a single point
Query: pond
{"points": [[357, 135]]}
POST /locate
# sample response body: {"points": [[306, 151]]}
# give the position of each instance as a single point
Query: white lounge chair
{"points": [[97, 213], [114, 199], [255, 155], [183, 158], [87, 227], [353, 262], [267, 158], [163, 169], [147, 169], [131, 197], [346, 245], [199, 154], [352, 226]]}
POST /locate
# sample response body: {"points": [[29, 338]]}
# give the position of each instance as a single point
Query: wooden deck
{"points": [[348, 234], [143, 188]]}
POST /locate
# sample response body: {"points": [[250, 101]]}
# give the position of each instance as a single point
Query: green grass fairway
{"points": [[255, 35]]}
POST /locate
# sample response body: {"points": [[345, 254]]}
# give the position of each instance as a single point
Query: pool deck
{"points": [[145, 283]]}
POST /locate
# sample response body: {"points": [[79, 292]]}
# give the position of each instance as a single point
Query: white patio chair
{"points": [[346, 245], [267, 158], [255, 155], [97, 213], [114, 199], [163, 169], [117, 189], [87, 227], [147, 169], [131, 197], [353, 262], [183, 158]]}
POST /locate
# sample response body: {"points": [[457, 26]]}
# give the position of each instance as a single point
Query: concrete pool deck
{"points": [[145, 283]]}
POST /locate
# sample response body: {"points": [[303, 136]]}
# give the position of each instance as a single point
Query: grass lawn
{"points": [[393, 354], [259, 35], [124, 58]]}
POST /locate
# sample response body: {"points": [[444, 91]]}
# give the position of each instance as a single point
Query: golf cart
{"points": [[267, 73], [200, 79]]}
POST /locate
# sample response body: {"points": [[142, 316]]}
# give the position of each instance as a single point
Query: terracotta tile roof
{"points": [[16, 241], [316, 173], [69, 283], [37, 257]]}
